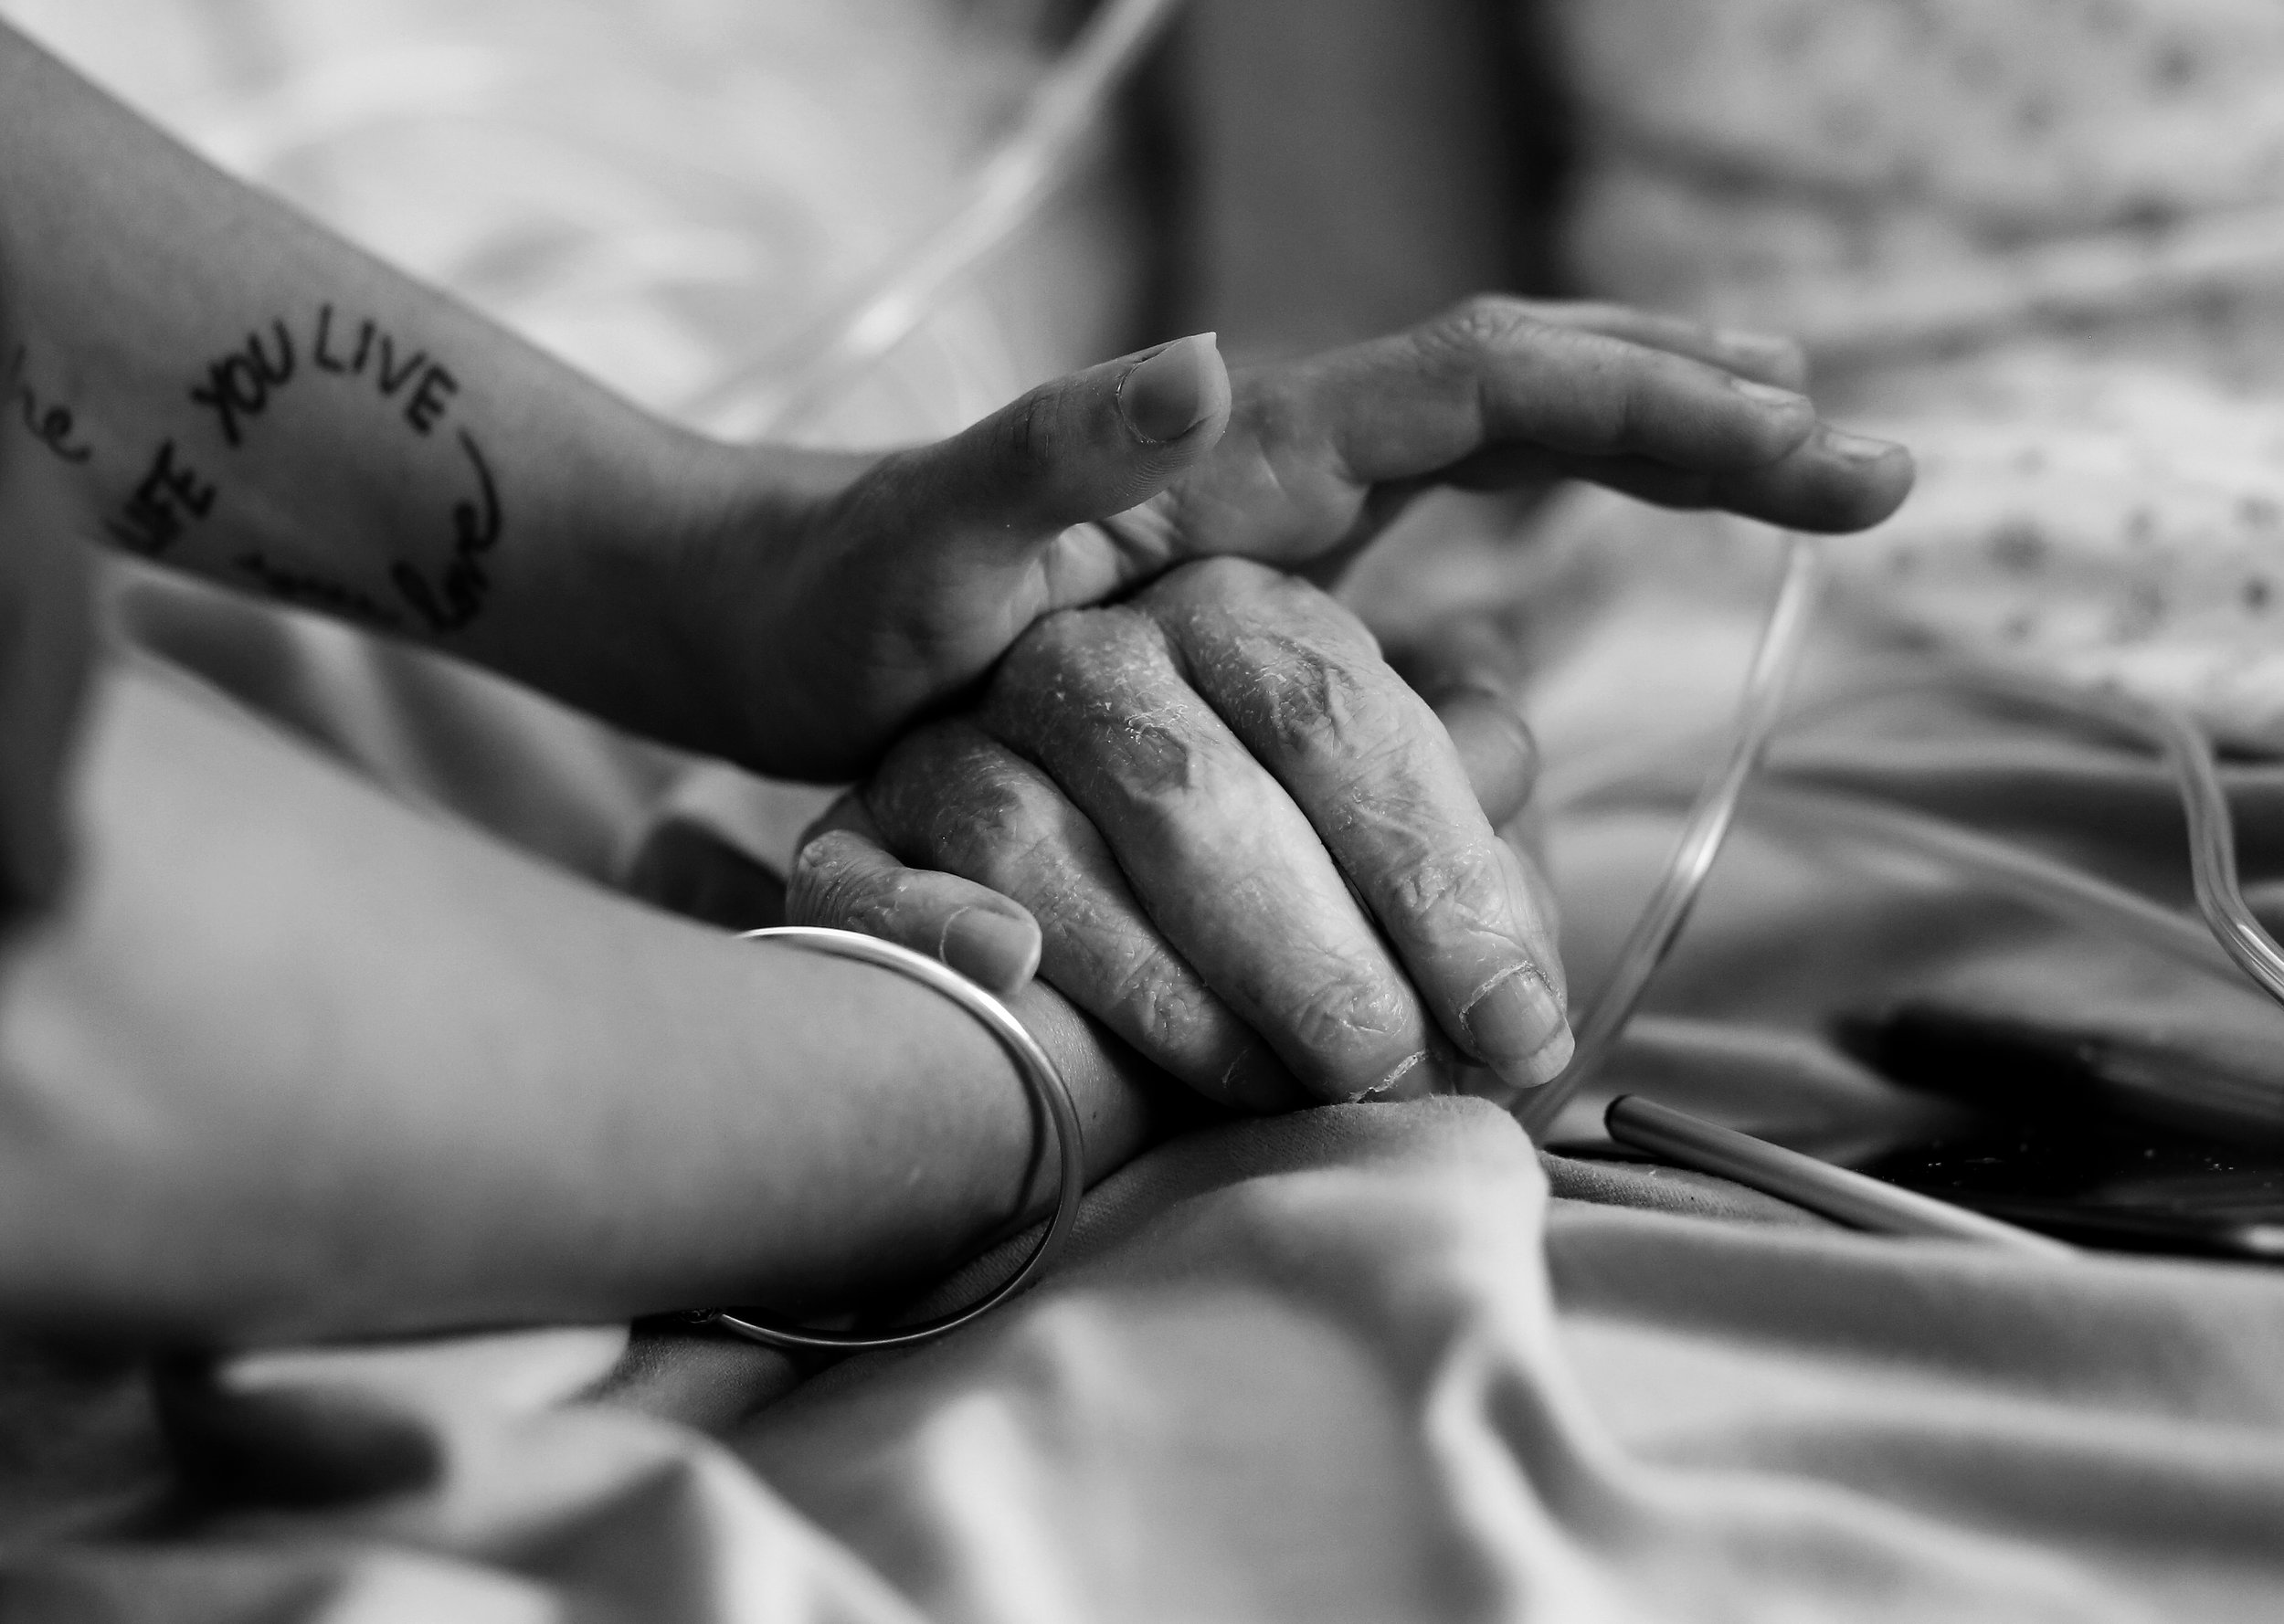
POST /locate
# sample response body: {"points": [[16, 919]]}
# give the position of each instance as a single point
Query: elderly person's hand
{"points": [[832, 621], [1251, 849], [1212, 815]]}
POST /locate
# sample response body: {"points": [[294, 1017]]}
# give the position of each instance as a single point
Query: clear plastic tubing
{"points": [[2188, 754], [2232, 939], [1782, 637], [1068, 107], [2055, 888]]}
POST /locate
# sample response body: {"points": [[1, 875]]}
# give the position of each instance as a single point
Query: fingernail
{"points": [[1768, 395], [1517, 1024], [1857, 447], [1544, 1066], [997, 950], [1171, 393]]}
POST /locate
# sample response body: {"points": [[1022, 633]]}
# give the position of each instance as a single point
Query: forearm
{"points": [[242, 394], [292, 1061]]}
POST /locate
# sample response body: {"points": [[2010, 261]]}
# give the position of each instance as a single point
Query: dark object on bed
{"points": [[2088, 1136]]}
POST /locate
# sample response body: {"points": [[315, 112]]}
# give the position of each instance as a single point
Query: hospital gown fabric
{"points": [[2042, 243]]}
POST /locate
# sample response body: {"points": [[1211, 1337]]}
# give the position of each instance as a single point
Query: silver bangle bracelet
{"points": [[1040, 1077]]}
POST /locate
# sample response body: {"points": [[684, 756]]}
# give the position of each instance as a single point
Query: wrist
{"points": [[654, 597], [739, 577]]}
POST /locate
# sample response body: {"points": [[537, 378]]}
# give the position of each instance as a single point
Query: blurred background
{"points": [[661, 193]]}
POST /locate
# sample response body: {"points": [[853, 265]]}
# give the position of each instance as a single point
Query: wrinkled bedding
{"points": [[1355, 1364], [1362, 1363]]}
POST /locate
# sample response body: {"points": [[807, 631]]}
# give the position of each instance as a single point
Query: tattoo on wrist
{"points": [[457, 596], [240, 383], [292, 584], [241, 386], [49, 422], [169, 498], [432, 386]]}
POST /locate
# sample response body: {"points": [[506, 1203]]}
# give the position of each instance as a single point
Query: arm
{"points": [[242, 394], [291, 1060], [247, 396]]}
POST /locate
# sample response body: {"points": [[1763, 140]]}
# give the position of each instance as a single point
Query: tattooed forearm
{"points": [[49, 422], [459, 597], [168, 500], [294, 586], [244, 387], [432, 386], [239, 384]]}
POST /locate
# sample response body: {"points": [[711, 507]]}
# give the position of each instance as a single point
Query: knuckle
{"points": [[1338, 1020], [1157, 1008], [1077, 653], [1015, 843], [1061, 640], [923, 774], [1481, 322], [1313, 706], [1449, 893], [1100, 694], [986, 820], [1221, 580], [1162, 756], [1023, 436]]}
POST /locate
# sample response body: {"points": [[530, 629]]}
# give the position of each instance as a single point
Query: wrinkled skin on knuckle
{"points": [[1215, 582], [1216, 600], [1070, 656], [1479, 323], [1347, 1031], [1164, 1010], [928, 773], [951, 799], [1452, 895], [1164, 763], [1295, 672], [1312, 708], [1099, 701], [1032, 849]]}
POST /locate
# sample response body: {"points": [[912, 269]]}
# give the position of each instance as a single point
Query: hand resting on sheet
{"points": [[1248, 848]]}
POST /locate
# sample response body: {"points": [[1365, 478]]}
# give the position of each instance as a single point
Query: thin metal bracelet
{"points": [[1040, 1076]]}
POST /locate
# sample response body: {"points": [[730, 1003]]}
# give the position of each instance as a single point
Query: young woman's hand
{"points": [[1215, 819], [827, 624]]}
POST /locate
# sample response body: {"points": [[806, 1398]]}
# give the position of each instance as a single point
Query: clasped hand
{"points": [[1209, 812]]}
